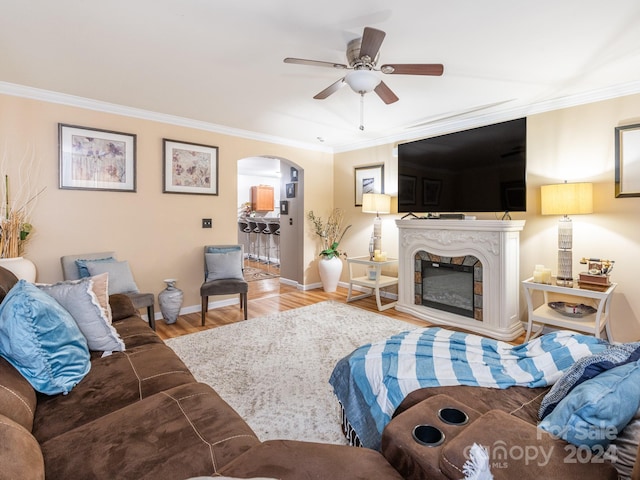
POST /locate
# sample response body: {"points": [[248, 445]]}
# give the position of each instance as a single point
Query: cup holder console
{"points": [[453, 416], [428, 435], [431, 436]]}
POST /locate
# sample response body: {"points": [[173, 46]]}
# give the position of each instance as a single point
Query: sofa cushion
{"points": [[120, 276], [135, 332], [585, 369], [92, 315], [114, 382], [518, 450], [17, 396], [294, 460], [597, 410], [42, 340], [182, 432], [20, 454]]}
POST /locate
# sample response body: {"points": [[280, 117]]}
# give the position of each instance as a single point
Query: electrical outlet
{"points": [[207, 223]]}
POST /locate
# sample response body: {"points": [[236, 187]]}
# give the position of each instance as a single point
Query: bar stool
{"points": [[243, 226], [275, 230], [253, 225], [264, 230]]}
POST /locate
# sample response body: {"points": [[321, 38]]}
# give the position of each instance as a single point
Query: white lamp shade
{"points": [[362, 81], [376, 203], [567, 199]]}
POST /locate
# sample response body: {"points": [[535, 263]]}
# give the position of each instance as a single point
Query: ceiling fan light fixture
{"points": [[362, 81]]}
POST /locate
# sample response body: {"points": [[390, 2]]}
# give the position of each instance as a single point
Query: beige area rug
{"points": [[274, 370], [252, 273]]}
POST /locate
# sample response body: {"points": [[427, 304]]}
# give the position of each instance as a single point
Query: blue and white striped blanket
{"points": [[372, 381]]}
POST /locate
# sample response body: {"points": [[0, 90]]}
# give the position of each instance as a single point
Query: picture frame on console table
{"points": [[369, 179], [96, 159], [190, 168]]}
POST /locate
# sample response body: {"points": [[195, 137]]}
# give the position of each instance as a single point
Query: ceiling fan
{"points": [[362, 55]]}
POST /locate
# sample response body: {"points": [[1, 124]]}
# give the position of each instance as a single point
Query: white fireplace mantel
{"points": [[496, 243]]}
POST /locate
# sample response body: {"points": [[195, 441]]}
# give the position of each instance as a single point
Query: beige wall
{"points": [[573, 144], [160, 234]]}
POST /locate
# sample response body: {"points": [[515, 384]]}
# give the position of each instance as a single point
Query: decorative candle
{"points": [[546, 276]]}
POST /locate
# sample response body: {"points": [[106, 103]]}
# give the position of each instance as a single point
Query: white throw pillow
{"points": [[94, 320], [120, 276]]}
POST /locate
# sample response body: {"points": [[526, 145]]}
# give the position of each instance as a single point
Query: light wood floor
{"points": [[267, 297]]}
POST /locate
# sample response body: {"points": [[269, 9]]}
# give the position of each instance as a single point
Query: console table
{"points": [[380, 281], [545, 315]]}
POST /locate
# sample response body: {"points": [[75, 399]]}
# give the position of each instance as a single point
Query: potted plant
{"points": [[15, 231], [331, 233]]}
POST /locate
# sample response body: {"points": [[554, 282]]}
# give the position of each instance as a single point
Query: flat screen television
{"points": [[478, 170]]}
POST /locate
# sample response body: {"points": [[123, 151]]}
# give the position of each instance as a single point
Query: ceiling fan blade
{"points": [[371, 41], [314, 63], [413, 69], [385, 93], [334, 87]]}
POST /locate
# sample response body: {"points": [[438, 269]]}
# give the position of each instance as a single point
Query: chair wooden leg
{"points": [[152, 317], [205, 306], [244, 302]]}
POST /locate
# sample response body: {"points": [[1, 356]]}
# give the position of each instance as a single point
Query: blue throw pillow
{"points": [[597, 410], [586, 368], [42, 340], [83, 270]]}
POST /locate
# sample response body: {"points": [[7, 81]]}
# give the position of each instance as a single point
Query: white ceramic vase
{"points": [[21, 267], [330, 270]]}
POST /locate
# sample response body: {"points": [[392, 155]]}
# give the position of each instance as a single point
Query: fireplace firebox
{"points": [[450, 284]]}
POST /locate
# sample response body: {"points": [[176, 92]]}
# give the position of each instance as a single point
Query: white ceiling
{"points": [[221, 62]]}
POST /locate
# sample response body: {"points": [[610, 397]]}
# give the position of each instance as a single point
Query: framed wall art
{"points": [[290, 190], [284, 207], [627, 144], [189, 168], [368, 180], [294, 174], [95, 159]]}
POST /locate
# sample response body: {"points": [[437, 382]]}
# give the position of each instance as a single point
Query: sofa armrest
{"points": [[121, 307], [518, 449]]}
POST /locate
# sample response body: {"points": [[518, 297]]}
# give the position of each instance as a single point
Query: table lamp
{"points": [[566, 199], [376, 203]]}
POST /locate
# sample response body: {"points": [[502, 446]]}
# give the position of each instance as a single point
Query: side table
{"points": [[380, 281], [544, 315]]}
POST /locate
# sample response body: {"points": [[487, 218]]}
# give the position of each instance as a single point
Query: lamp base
{"points": [[564, 278]]}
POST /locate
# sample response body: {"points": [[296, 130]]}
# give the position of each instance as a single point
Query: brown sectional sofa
{"points": [[141, 414]]}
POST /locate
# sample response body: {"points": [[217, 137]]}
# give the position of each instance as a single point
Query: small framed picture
{"points": [[95, 159], [189, 168], [368, 180], [291, 190], [294, 174], [284, 207]]}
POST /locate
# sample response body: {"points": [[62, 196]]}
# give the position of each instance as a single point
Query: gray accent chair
{"points": [[222, 277], [139, 300]]}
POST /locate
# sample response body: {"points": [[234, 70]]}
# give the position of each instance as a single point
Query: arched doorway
{"points": [[287, 180]]}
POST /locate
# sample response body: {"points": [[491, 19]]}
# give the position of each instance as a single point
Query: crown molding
{"points": [[505, 113], [463, 122], [106, 107]]}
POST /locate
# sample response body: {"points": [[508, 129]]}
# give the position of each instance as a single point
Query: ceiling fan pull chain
{"points": [[362, 111]]}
